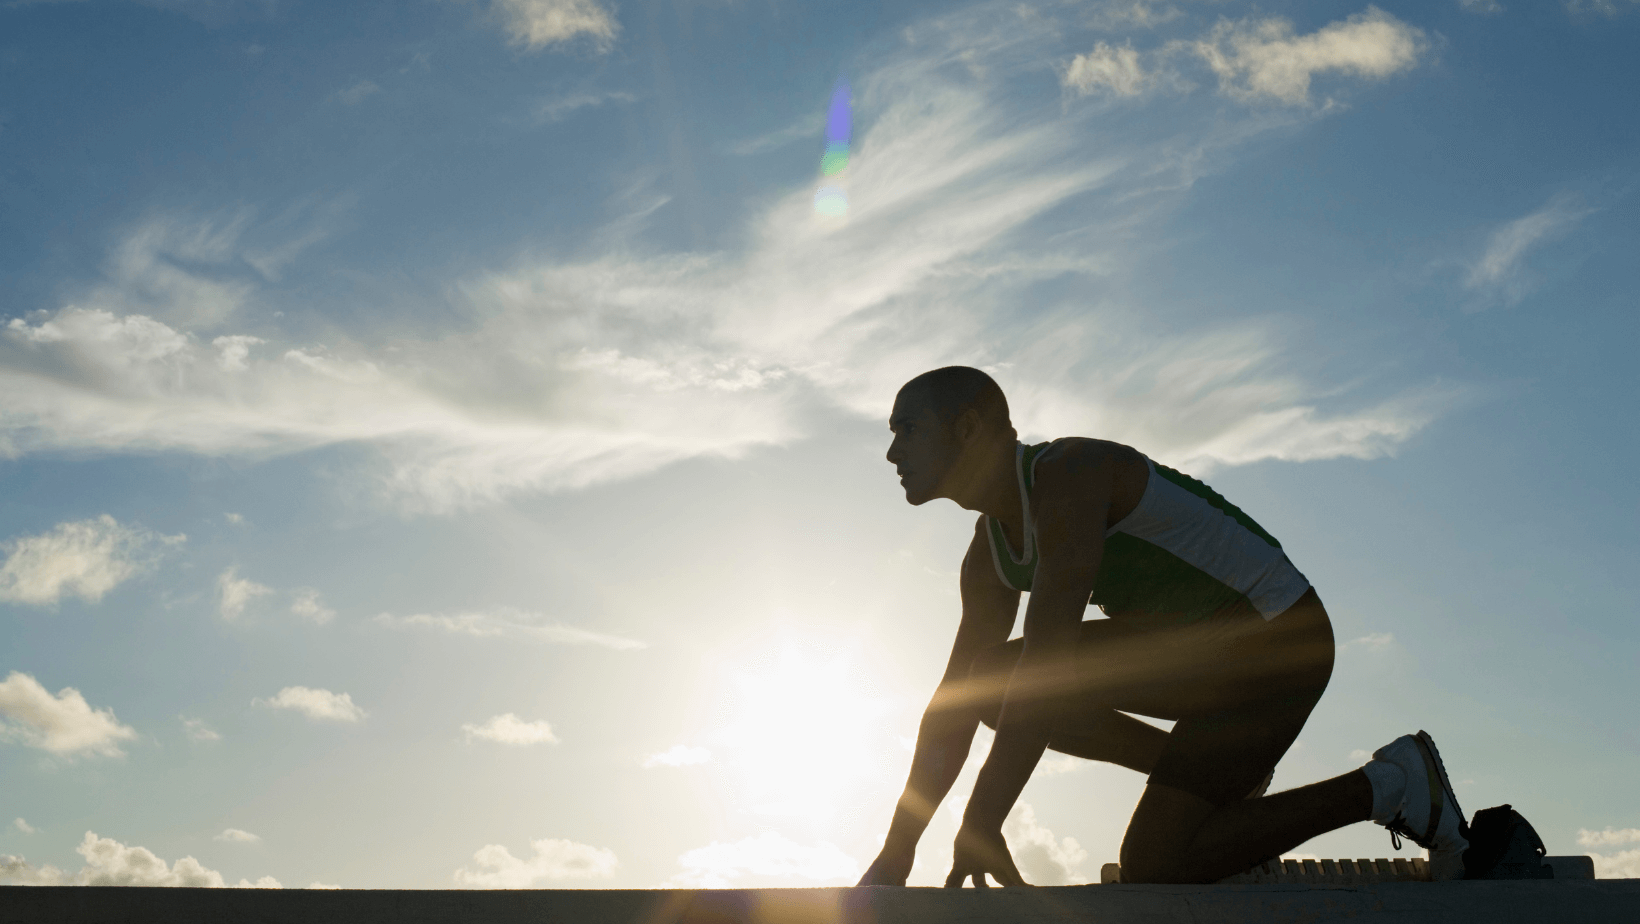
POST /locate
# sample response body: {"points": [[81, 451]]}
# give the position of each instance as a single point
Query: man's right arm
{"points": [[948, 724]]}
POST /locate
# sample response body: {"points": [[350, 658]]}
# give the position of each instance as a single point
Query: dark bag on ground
{"points": [[1502, 845]]}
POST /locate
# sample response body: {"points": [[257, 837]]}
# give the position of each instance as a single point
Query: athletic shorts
{"points": [[1238, 689]]}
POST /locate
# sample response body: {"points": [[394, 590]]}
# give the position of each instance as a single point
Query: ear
{"points": [[968, 426]]}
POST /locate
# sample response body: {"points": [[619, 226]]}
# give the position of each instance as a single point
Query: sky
{"points": [[441, 441]]}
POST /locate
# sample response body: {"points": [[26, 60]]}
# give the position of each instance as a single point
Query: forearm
{"points": [[1044, 675], [1014, 755], [943, 741]]}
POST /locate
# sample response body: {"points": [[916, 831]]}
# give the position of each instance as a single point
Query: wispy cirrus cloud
{"points": [[1603, 7], [569, 371], [506, 622], [558, 108], [1499, 273], [809, 127]]}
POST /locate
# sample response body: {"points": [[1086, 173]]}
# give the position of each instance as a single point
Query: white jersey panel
{"points": [[1206, 538]]}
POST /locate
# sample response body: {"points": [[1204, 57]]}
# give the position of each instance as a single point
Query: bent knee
{"points": [[1153, 869]]}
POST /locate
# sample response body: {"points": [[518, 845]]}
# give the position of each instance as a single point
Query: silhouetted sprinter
{"points": [[1209, 624]]}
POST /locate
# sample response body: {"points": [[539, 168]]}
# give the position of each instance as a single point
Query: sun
{"points": [[804, 732]]}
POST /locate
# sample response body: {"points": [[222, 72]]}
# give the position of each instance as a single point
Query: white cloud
{"points": [[807, 128], [231, 353], [1606, 7], [1375, 641], [306, 605], [572, 371], [554, 861], [1611, 837], [234, 518], [506, 622], [165, 272], [64, 724], [559, 108], [508, 728], [1266, 60], [1481, 6], [236, 836], [1360, 755], [680, 755], [322, 885], [1623, 865], [110, 863], [197, 730], [1127, 14], [234, 593], [1042, 858], [358, 92], [539, 23], [1053, 764], [24, 826], [315, 704], [1105, 69], [1498, 272], [770, 856], [85, 559]]}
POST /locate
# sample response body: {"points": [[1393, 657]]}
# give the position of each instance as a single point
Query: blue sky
{"points": [[442, 444]]}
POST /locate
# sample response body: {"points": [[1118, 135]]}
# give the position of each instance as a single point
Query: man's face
{"points": [[923, 451]]}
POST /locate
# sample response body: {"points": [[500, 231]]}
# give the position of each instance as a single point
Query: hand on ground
{"points": [[978, 853], [890, 868]]}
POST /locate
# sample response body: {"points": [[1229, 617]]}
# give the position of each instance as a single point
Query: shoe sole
{"points": [[1440, 786]]}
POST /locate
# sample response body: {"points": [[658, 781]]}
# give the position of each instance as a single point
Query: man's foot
{"points": [[1428, 814]]}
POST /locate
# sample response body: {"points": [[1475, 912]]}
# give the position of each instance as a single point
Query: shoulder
{"points": [[1079, 474], [1075, 457]]}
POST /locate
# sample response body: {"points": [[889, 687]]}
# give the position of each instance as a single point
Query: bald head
{"points": [[950, 391]]}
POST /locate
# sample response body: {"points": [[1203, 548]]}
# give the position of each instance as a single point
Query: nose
{"points": [[894, 455]]}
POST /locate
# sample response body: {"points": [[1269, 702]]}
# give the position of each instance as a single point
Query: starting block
{"points": [[1355, 872]]}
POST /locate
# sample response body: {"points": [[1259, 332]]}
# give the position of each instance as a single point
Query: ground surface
{"points": [[1491, 902]]}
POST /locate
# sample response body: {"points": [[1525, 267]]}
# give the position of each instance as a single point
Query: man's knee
{"points": [[1152, 867], [1157, 846]]}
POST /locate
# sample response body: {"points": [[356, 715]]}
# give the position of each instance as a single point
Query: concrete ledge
{"points": [[1614, 900]]}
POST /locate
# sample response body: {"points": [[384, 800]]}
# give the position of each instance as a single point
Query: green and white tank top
{"points": [[1184, 554]]}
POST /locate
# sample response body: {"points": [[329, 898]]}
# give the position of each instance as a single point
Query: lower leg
{"points": [[1240, 834]]}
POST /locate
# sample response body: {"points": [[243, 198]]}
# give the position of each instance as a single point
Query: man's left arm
{"points": [[1072, 503]]}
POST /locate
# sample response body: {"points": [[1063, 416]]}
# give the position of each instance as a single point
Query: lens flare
{"points": [[831, 199]]}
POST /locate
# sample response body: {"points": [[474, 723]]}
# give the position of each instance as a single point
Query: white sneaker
{"points": [[1429, 815]]}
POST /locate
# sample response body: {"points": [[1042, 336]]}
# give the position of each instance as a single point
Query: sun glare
{"points": [[804, 733]]}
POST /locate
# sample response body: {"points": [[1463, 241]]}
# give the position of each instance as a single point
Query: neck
{"points": [[994, 487]]}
